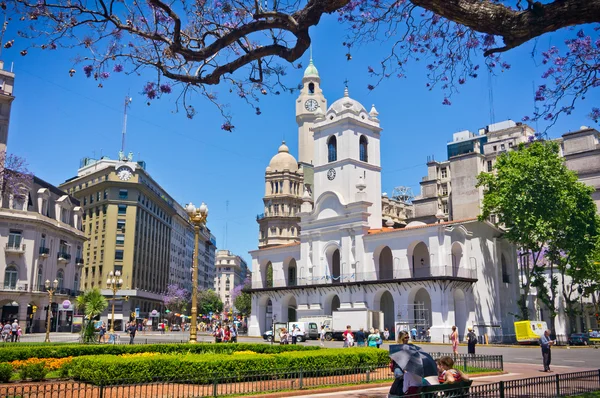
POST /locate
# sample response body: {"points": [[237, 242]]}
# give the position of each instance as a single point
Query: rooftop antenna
{"points": [[491, 97], [128, 100]]}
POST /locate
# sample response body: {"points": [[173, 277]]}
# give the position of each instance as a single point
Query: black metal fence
{"points": [[568, 384], [471, 363]]}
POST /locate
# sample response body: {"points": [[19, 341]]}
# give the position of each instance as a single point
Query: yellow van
{"points": [[529, 332]]}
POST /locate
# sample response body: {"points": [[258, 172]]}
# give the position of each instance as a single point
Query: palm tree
{"points": [[92, 303]]}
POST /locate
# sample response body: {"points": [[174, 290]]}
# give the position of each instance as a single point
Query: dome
{"points": [[346, 103], [311, 70], [283, 160]]}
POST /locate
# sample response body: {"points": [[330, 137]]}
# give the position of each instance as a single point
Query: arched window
{"points": [[60, 277], [10, 277], [332, 149], [364, 154], [40, 278], [311, 88]]}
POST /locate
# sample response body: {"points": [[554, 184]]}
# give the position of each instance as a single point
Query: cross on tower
{"points": [[346, 82]]}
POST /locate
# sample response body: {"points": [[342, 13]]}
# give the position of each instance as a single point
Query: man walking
{"points": [[294, 334], [13, 330], [471, 341], [360, 337], [131, 329], [546, 343]]}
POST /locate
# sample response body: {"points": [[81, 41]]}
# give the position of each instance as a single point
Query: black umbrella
{"points": [[412, 359]]}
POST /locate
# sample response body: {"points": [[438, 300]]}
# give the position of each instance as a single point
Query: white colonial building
{"points": [[426, 275]]}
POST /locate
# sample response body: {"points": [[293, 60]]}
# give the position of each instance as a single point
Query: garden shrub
{"points": [[6, 371], [204, 368], [34, 371], [23, 352]]}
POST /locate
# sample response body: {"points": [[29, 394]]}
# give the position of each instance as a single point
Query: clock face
{"points": [[331, 174], [311, 105], [124, 173]]}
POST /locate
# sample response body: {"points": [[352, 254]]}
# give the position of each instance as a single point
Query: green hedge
{"points": [[13, 353], [106, 369]]}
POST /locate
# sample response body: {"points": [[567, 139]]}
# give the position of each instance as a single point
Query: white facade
{"points": [[436, 275], [231, 272], [41, 238]]}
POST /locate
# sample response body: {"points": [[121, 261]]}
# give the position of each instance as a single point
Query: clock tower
{"points": [[310, 100]]}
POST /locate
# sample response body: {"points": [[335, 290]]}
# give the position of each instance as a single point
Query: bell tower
{"points": [[310, 100]]}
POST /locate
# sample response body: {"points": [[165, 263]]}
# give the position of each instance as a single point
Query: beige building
{"points": [[127, 219], [7, 82], [231, 271]]}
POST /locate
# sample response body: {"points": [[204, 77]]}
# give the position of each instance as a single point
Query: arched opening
{"points": [[10, 311], [269, 315], [386, 305], [292, 273], [331, 305], [422, 310], [386, 264], [40, 278], [457, 258], [311, 88], [268, 275], [421, 266], [460, 312], [332, 149], [60, 277], [11, 276], [289, 310], [363, 149], [335, 267]]}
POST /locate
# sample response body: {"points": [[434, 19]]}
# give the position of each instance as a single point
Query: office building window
{"points": [[444, 172], [122, 209], [120, 239], [490, 166], [118, 254], [123, 194], [121, 224], [14, 239]]}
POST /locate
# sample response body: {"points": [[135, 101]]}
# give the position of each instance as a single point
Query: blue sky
{"points": [[57, 120]]}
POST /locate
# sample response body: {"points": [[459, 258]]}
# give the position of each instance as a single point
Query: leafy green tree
{"points": [[545, 211], [92, 303], [242, 299], [209, 301]]}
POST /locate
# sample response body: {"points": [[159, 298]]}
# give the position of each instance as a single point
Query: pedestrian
{"points": [[446, 372], [386, 334], [428, 335], [19, 333], [360, 337], [546, 343], [322, 335], [218, 333], [413, 333], [283, 336], [13, 331], [132, 329], [454, 340], [471, 341], [378, 341], [234, 334], [403, 338], [6, 332], [102, 333], [348, 337], [227, 335], [295, 331], [372, 339]]}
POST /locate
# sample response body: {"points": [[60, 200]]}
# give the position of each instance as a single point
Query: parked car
{"points": [[579, 339], [268, 335]]}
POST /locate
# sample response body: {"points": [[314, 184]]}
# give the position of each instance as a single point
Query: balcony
{"points": [[44, 252], [63, 257], [397, 276], [15, 248], [79, 261], [18, 287]]}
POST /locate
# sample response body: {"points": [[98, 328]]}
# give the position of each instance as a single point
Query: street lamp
{"points": [[198, 218], [114, 283], [50, 294]]}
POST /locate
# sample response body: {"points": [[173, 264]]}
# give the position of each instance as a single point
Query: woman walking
{"points": [[454, 340]]}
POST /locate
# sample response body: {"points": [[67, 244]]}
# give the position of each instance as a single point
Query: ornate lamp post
{"points": [[114, 283], [197, 218], [50, 290]]}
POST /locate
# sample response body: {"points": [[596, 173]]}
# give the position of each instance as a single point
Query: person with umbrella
{"points": [[416, 365]]}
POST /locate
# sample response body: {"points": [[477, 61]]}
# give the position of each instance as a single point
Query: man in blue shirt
{"points": [[546, 343]]}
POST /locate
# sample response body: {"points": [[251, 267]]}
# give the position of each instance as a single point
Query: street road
{"points": [[584, 357]]}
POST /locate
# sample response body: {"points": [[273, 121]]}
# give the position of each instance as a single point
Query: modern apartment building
{"points": [[231, 272]]}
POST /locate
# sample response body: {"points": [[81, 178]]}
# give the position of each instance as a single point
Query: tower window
{"points": [[332, 149], [311, 88], [364, 154]]}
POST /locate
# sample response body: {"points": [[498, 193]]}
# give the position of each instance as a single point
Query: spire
{"points": [[311, 70], [346, 88]]}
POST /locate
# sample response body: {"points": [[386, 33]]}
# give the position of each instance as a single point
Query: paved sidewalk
{"points": [[514, 371]]}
